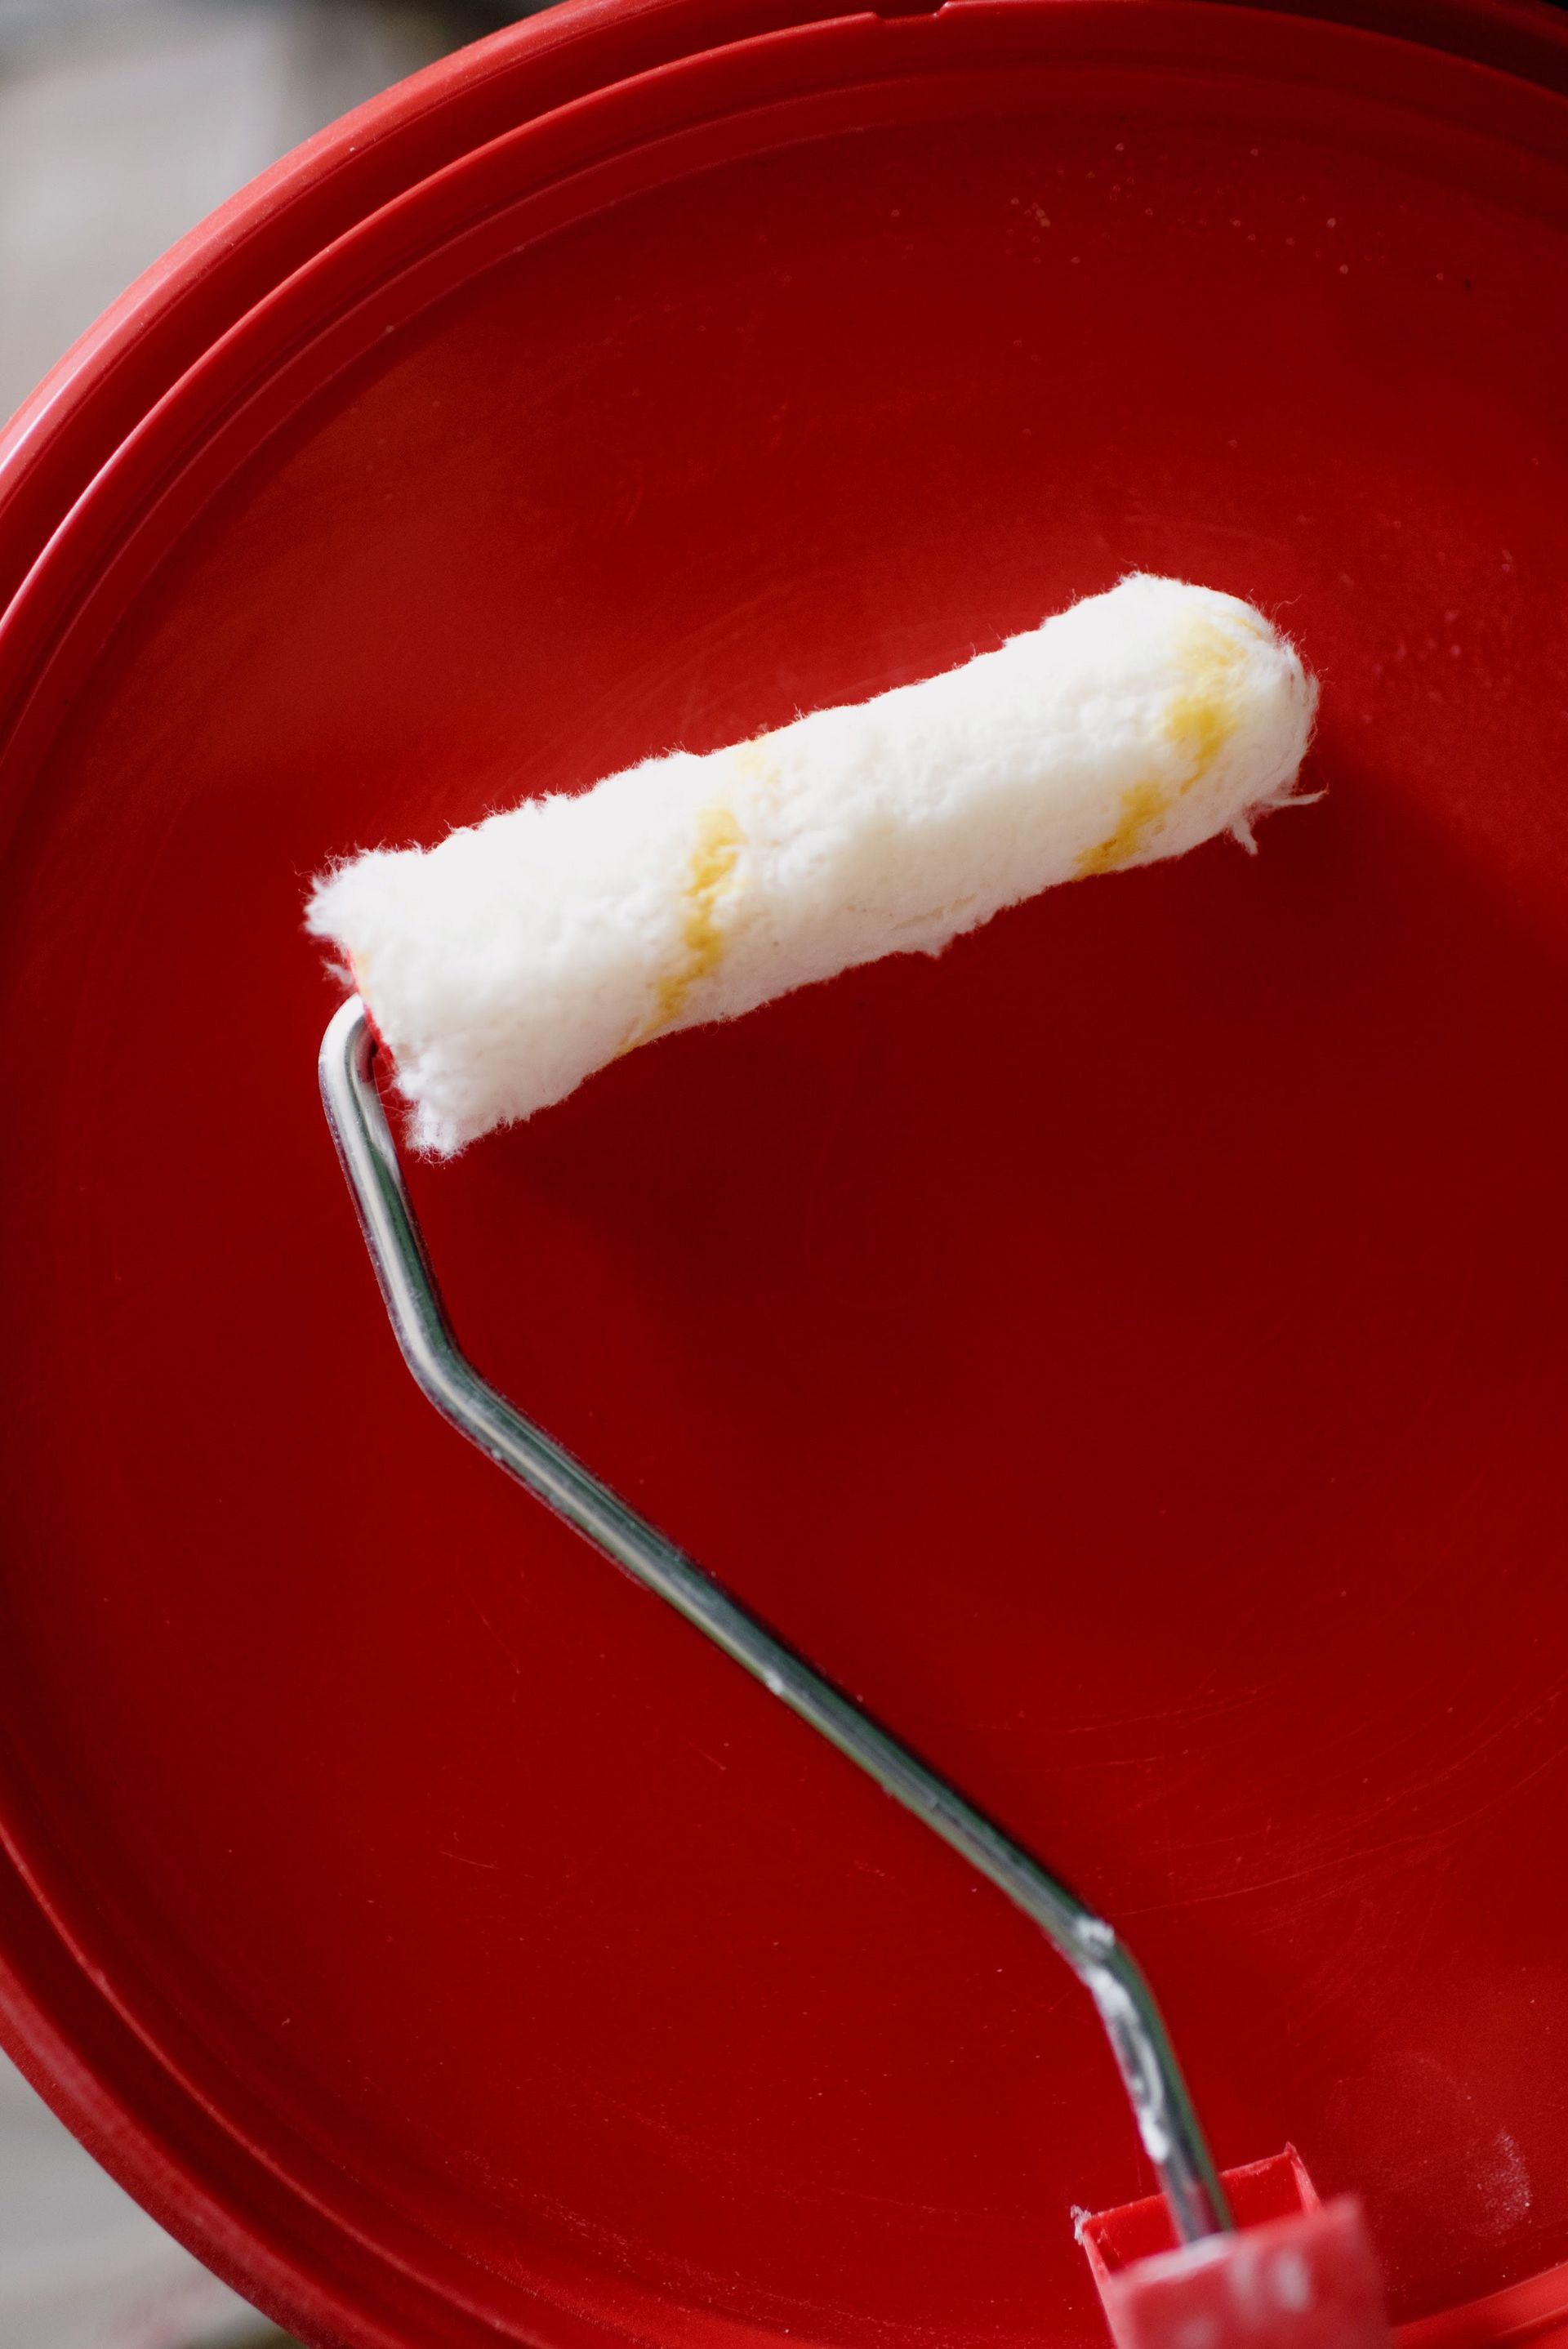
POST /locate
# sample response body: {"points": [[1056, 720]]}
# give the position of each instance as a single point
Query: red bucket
{"points": [[1128, 1352]]}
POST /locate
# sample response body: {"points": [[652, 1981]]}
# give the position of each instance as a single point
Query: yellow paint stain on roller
{"points": [[1142, 808], [1202, 716], [709, 879], [1200, 721], [754, 762]]}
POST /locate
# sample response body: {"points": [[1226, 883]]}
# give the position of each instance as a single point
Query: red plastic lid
{"points": [[1128, 1352]]}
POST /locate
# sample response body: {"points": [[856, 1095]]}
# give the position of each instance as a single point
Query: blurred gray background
{"points": [[122, 123]]}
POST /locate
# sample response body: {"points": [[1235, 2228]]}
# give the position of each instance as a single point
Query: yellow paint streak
{"points": [[1142, 808], [708, 882], [1200, 720], [754, 762], [1204, 712]]}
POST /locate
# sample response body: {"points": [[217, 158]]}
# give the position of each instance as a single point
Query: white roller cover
{"points": [[505, 965]]}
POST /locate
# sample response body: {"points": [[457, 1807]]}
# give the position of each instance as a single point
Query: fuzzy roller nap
{"points": [[505, 965]]}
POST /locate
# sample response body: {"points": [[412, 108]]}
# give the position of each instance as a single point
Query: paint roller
{"points": [[501, 967]]}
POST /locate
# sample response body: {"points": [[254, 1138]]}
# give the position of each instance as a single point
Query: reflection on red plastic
{"points": [[1534, 2312]]}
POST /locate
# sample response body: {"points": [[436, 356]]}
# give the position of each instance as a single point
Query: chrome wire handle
{"points": [[1151, 2075]]}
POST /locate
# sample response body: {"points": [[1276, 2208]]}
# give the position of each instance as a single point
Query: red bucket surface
{"points": [[1126, 1352]]}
